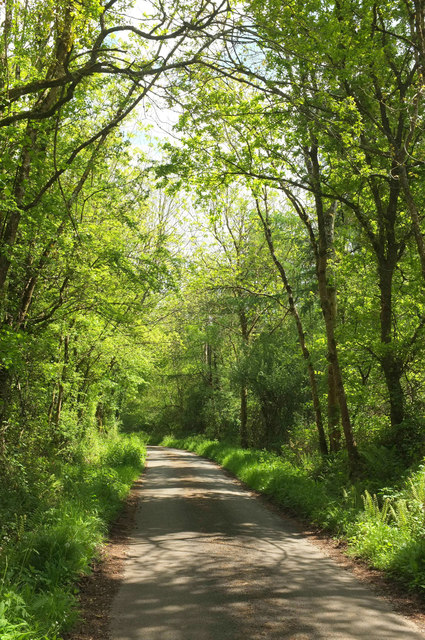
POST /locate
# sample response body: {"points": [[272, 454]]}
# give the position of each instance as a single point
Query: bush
{"points": [[125, 452], [54, 523]]}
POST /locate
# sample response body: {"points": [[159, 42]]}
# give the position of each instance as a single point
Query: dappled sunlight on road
{"points": [[208, 561]]}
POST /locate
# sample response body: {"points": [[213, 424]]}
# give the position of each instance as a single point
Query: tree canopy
{"points": [[256, 275]]}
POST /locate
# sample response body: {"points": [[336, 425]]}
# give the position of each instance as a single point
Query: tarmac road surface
{"points": [[209, 561]]}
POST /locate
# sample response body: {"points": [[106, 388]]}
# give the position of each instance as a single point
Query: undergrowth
{"points": [[53, 519], [385, 526]]}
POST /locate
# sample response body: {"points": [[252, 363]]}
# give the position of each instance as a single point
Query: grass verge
{"points": [[54, 517], [385, 527]]}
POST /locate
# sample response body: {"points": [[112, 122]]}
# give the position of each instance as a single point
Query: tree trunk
{"points": [[334, 412], [32, 146], [327, 304], [11, 226], [390, 363], [244, 417], [301, 335], [100, 416], [416, 12], [393, 371], [333, 358], [271, 423], [4, 45], [4, 394], [243, 434]]}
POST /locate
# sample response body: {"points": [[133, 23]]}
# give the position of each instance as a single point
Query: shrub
{"points": [[56, 520]]}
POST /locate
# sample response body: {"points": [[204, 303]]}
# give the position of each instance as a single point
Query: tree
{"points": [[332, 118], [68, 80]]}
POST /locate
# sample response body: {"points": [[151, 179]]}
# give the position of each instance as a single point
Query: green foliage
{"points": [[274, 373], [388, 530], [52, 528], [290, 218], [128, 451]]}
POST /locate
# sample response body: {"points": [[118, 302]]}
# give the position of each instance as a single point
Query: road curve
{"points": [[208, 561]]}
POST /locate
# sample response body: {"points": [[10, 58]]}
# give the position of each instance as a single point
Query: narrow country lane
{"points": [[208, 561]]}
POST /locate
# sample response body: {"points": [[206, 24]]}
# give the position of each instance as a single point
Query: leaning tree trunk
{"points": [[301, 335], [334, 411]]}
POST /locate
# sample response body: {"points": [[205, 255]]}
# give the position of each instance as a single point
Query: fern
{"points": [[400, 513], [417, 487], [372, 509]]}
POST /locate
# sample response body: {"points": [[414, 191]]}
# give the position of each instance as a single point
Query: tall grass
{"points": [[54, 518], [384, 526]]}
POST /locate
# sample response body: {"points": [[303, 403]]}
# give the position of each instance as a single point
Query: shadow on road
{"points": [[210, 562]]}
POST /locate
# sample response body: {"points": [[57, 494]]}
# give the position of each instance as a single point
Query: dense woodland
{"points": [[254, 273]]}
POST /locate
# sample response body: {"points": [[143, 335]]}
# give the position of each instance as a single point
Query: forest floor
{"points": [[98, 590]]}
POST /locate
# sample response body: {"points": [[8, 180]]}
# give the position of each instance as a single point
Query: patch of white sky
{"points": [[152, 124], [154, 120]]}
